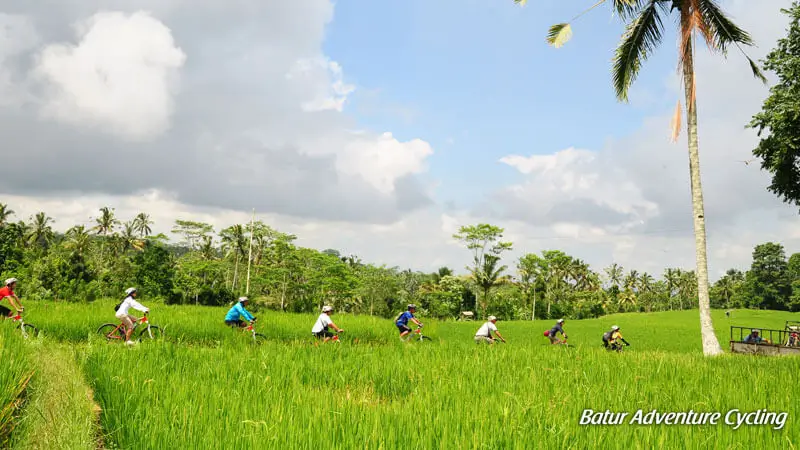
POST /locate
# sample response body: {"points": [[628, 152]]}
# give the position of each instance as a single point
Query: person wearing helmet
{"points": [[613, 339], [122, 312], [234, 316], [320, 328], [7, 292], [559, 327], [402, 320], [484, 333]]}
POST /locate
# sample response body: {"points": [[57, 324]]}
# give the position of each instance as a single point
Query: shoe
{"points": [[130, 342]]}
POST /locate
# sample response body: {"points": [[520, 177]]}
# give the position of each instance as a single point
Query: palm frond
{"points": [[559, 34], [521, 2], [723, 31], [641, 37], [756, 70], [627, 9]]}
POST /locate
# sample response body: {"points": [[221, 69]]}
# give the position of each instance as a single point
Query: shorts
{"points": [[323, 334], [403, 328], [127, 320], [553, 338], [4, 312], [481, 339], [235, 323]]}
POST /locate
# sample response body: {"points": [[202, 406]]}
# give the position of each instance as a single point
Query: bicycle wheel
{"points": [[29, 330], [107, 330], [259, 338], [423, 337], [151, 332]]}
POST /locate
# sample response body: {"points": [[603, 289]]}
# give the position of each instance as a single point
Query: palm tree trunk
{"points": [[235, 270], [711, 345], [533, 309]]}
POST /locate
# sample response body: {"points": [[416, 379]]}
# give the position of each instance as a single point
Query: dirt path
{"points": [[61, 411]]}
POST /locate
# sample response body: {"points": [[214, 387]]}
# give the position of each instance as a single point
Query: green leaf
{"points": [[559, 34], [756, 70], [521, 2]]}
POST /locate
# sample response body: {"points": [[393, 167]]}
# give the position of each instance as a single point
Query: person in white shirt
{"points": [[127, 319], [484, 333], [320, 329]]}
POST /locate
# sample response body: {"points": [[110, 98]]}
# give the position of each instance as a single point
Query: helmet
{"points": [[492, 318], [560, 321], [614, 328], [327, 308], [11, 281], [412, 306], [243, 299], [754, 330], [130, 291]]}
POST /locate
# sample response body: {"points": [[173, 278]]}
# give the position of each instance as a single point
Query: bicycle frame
{"points": [[18, 318]]}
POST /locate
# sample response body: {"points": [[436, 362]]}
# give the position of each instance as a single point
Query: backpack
{"points": [[116, 308], [606, 338], [547, 333], [398, 316]]}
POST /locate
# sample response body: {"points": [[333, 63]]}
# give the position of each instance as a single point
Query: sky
{"points": [[379, 128]]}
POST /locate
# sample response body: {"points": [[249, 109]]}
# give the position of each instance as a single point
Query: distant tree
{"points": [[485, 242], [767, 283]]}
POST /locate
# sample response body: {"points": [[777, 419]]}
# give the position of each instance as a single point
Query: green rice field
{"points": [[206, 386]]}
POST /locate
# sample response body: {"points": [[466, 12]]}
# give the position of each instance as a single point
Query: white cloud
{"points": [[331, 91], [121, 75], [383, 160], [17, 35]]}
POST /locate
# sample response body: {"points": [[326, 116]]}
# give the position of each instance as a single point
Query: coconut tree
{"points": [[40, 233], [643, 33], [5, 213], [104, 225], [141, 224], [78, 240]]}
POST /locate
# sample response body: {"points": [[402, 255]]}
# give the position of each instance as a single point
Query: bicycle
{"points": [[26, 328], [117, 331], [419, 336], [258, 338]]}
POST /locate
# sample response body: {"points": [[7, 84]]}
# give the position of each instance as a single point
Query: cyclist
{"points": [[612, 339], [402, 320], [122, 312], [558, 327], [484, 333], [320, 329], [235, 314], [7, 291]]}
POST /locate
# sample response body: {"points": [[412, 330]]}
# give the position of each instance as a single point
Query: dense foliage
{"points": [[208, 268], [779, 119]]}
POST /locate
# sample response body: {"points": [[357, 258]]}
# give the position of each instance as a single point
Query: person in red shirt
{"points": [[8, 292]]}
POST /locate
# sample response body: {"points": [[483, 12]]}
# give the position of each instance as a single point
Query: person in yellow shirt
{"points": [[613, 339]]}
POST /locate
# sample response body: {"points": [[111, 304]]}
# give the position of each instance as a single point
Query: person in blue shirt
{"points": [[402, 320], [235, 314]]}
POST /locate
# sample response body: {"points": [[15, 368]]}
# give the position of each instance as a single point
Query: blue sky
{"points": [[480, 73], [247, 91]]}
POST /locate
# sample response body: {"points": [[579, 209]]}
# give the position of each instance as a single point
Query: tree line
{"points": [[208, 267]]}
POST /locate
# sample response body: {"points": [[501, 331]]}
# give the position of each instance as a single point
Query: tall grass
{"points": [[15, 373], [451, 395]]}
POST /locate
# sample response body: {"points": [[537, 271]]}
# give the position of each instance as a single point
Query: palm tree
{"points": [[40, 232], [142, 224], [671, 276], [234, 242], [78, 240], [643, 33], [5, 213], [128, 239], [487, 277], [105, 224], [614, 273]]}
